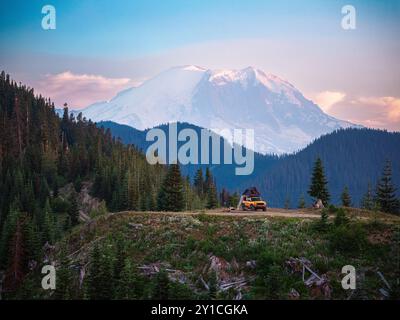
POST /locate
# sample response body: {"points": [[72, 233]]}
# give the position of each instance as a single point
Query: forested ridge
{"points": [[352, 157], [41, 154]]}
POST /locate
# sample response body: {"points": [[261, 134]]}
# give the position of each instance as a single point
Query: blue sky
{"points": [[125, 42], [127, 28]]}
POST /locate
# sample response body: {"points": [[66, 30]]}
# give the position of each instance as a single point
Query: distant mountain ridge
{"points": [[352, 157], [283, 119]]}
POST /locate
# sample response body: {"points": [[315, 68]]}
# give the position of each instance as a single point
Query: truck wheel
{"points": [[252, 208], [264, 209], [244, 207]]}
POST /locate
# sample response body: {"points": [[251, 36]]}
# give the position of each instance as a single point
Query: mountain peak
{"points": [[189, 67], [282, 118]]}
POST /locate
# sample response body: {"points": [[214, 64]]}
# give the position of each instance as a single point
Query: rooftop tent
{"points": [[251, 192]]}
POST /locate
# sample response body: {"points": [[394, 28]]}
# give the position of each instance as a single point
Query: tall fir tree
{"points": [[208, 180], [48, 230], [73, 211], [170, 197], [210, 190], [234, 199], [345, 197], [15, 269], [199, 183], [368, 200], [386, 191], [287, 203], [127, 282], [161, 287], [212, 200], [319, 184], [100, 281], [302, 202], [64, 276]]}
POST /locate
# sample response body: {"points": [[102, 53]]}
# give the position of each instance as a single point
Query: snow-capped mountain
{"points": [[283, 119]]}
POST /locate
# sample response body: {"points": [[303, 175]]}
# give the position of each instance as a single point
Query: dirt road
{"points": [[307, 213], [271, 212]]}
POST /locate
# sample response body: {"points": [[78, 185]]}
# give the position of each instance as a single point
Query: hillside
{"points": [[203, 256], [42, 155]]}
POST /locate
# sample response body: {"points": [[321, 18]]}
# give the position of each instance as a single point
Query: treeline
{"points": [[177, 194], [381, 198], [351, 157], [41, 153]]}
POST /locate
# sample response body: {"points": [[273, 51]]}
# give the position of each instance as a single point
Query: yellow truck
{"points": [[251, 200]]}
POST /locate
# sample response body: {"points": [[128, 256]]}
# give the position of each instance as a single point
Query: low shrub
{"points": [[347, 238], [341, 217]]}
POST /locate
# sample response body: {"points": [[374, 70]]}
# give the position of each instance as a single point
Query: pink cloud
{"points": [[80, 90], [374, 112], [327, 99]]}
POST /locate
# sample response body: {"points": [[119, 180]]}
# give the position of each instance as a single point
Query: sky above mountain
{"points": [[101, 47]]}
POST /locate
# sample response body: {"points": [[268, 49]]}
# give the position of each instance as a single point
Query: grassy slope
{"points": [[186, 242]]}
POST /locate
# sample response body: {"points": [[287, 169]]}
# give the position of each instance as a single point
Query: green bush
{"points": [[60, 205], [322, 224], [341, 217], [271, 276], [332, 209], [203, 217], [347, 238], [101, 210]]}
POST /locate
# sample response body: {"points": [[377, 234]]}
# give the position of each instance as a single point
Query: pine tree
{"points": [[73, 211], [151, 202], [287, 203], [170, 197], [208, 181], [127, 282], [101, 276], [119, 257], [123, 202], [161, 286], [187, 194], [94, 276], [234, 199], [212, 201], [318, 188], [210, 190], [16, 266], [368, 201], [386, 191], [302, 202], [32, 241], [7, 234], [78, 184], [64, 276], [323, 222], [341, 217], [199, 183], [48, 230], [224, 198], [213, 286], [345, 197]]}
